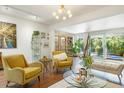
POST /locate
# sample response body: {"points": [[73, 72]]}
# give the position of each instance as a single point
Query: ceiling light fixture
{"points": [[62, 13]]}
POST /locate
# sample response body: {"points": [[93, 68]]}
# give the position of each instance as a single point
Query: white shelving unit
{"points": [[39, 44]]}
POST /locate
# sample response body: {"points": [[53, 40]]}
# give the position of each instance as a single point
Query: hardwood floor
{"points": [[49, 79]]}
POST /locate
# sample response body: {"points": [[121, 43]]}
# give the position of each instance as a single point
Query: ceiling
{"points": [[43, 13]]}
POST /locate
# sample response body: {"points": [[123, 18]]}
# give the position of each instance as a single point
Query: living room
{"points": [[61, 46]]}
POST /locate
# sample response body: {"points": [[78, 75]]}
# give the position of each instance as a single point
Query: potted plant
{"points": [[35, 33], [87, 59], [77, 47]]}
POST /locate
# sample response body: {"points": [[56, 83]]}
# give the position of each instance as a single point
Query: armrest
{"points": [[16, 74], [36, 64]]}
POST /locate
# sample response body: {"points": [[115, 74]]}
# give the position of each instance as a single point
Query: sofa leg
{"points": [[39, 78], [119, 79], [7, 83], [70, 68]]}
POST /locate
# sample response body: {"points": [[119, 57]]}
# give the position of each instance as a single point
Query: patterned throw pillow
{"points": [[61, 56]]}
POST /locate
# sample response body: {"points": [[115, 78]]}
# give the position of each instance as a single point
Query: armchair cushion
{"points": [[16, 61], [57, 52], [31, 71], [61, 56], [64, 63]]}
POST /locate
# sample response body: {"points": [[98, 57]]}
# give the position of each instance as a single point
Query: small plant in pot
{"points": [[35, 33], [87, 62]]}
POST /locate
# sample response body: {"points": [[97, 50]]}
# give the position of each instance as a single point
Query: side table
{"points": [[47, 64]]}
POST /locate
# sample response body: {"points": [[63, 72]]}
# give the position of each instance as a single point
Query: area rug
{"points": [[63, 84]]}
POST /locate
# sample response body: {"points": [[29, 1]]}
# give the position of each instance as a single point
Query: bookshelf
{"points": [[63, 43]]}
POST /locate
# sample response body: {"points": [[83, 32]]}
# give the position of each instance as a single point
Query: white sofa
{"points": [[114, 68]]}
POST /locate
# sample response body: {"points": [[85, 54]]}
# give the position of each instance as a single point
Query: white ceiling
{"points": [[44, 12], [76, 24], [102, 24]]}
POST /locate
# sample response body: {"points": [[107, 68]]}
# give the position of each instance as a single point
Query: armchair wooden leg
{"points": [[70, 68], [25, 86], [57, 70], [7, 83], [39, 78]]}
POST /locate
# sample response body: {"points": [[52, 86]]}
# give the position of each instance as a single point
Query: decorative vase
{"points": [[83, 72]]}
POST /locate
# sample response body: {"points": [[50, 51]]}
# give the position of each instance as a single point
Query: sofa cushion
{"points": [[31, 71], [98, 65], [64, 63], [16, 61], [108, 67], [61, 56], [112, 66]]}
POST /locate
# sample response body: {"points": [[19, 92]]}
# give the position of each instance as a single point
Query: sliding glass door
{"points": [[107, 45], [96, 46], [115, 46]]}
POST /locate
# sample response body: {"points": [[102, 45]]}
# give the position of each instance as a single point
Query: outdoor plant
{"points": [[96, 46], [115, 45]]}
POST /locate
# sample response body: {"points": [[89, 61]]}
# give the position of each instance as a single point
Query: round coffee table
{"points": [[92, 81]]}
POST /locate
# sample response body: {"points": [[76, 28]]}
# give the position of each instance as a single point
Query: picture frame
{"points": [[7, 35]]}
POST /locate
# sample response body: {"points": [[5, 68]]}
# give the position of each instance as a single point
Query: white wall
{"points": [[112, 22], [24, 34]]}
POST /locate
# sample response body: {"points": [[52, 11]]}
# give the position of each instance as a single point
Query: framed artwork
{"points": [[7, 35]]}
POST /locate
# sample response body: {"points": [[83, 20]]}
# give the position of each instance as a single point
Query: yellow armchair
{"points": [[19, 71], [66, 63]]}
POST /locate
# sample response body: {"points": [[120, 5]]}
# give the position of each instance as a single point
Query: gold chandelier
{"points": [[62, 13]]}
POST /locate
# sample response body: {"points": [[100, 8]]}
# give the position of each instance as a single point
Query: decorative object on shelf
{"points": [[36, 33], [47, 36], [46, 44], [7, 35], [62, 13], [43, 35]]}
